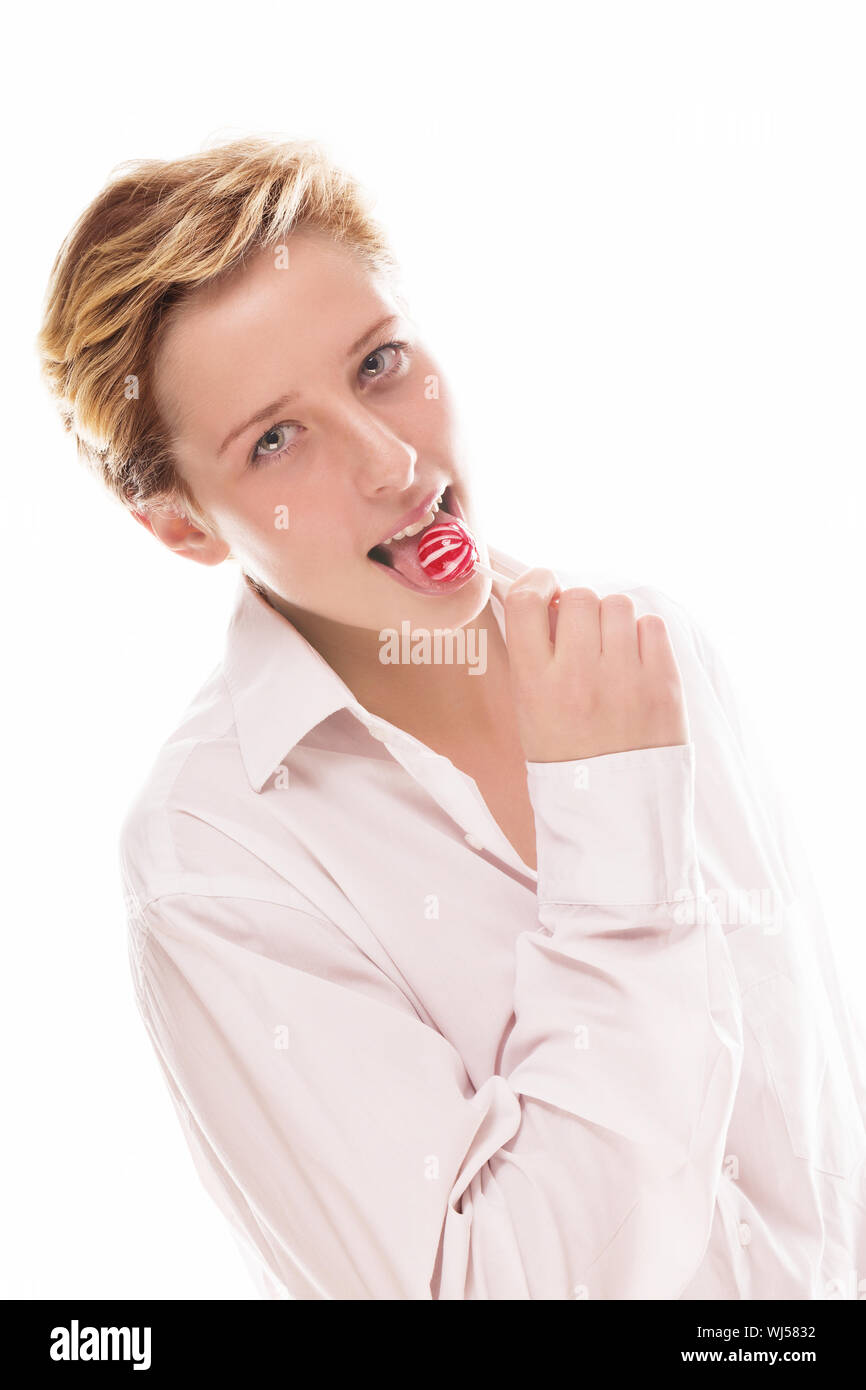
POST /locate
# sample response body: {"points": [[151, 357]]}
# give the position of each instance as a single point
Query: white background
{"points": [[634, 235]]}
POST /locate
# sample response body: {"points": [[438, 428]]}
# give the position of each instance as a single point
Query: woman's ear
{"points": [[179, 533]]}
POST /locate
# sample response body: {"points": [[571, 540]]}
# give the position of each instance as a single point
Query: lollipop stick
{"points": [[493, 574], [507, 580]]}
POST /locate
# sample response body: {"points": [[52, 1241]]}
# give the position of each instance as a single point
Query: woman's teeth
{"points": [[418, 525]]}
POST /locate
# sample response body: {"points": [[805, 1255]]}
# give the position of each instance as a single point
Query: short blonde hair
{"points": [[158, 230]]}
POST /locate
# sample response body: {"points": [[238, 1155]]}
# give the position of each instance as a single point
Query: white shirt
{"points": [[410, 1067]]}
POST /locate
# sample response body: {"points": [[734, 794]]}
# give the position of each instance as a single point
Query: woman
{"points": [[446, 962]]}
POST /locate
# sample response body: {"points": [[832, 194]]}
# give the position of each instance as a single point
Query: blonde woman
{"points": [[445, 962]]}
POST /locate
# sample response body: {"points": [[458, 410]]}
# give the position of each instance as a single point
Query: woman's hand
{"points": [[593, 680]]}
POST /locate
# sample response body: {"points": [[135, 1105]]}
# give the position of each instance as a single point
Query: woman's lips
{"points": [[432, 588], [412, 574]]}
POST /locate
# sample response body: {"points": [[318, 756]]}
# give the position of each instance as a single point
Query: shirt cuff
{"points": [[617, 828]]}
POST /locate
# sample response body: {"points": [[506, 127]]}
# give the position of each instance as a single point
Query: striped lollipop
{"points": [[448, 551]]}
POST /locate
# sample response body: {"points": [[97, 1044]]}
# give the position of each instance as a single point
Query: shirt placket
{"points": [[454, 790]]}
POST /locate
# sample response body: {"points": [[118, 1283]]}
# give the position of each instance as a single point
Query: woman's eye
{"points": [[401, 351], [273, 442]]}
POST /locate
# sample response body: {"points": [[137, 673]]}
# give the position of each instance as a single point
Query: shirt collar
{"points": [[281, 687]]}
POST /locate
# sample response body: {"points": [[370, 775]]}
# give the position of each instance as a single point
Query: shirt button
{"points": [[473, 842], [744, 1232]]}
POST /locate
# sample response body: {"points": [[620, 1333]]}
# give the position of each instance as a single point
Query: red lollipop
{"points": [[448, 551]]}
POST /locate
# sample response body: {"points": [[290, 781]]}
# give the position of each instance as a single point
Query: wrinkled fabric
{"points": [[408, 1066]]}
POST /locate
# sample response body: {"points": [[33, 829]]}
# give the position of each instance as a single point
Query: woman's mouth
{"points": [[399, 557]]}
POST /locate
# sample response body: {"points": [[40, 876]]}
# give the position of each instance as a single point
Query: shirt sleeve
{"points": [[341, 1135]]}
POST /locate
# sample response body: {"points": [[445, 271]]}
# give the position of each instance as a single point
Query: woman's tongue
{"points": [[404, 557]]}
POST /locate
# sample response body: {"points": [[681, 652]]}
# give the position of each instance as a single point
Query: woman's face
{"points": [[307, 436]]}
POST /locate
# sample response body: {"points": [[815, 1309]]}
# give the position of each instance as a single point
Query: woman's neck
{"points": [[426, 699]]}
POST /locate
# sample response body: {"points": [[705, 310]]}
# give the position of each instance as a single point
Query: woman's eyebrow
{"points": [[267, 411]]}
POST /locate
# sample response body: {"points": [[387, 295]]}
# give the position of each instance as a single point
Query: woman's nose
{"points": [[386, 462]]}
